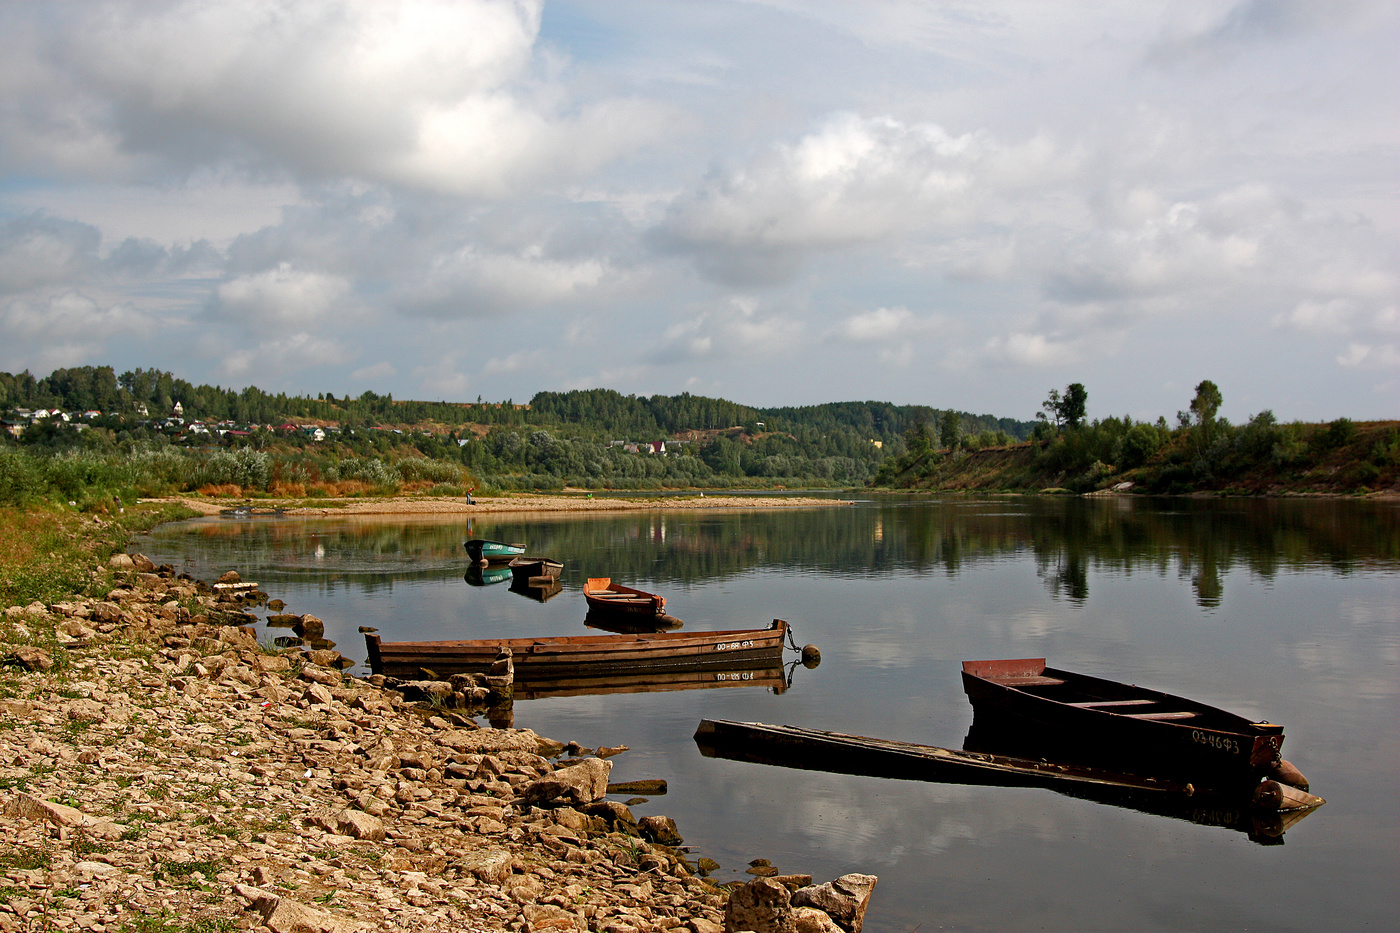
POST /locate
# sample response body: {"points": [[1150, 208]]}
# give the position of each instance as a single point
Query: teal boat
{"points": [[492, 552]]}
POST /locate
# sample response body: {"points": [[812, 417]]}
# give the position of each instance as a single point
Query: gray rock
{"points": [[582, 783], [660, 829], [359, 825], [844, 899], [490, 865], [36, 659], [760, 907]]}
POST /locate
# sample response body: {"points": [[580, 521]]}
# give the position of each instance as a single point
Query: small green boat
{"points": [[492, 552]]}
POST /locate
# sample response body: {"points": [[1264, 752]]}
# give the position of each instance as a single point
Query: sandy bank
{"points": [[428, 505]]}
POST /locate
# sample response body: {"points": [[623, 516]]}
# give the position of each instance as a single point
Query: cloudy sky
{"points": [[960, 204]]}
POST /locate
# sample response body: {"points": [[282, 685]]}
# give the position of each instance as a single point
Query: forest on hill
{"points": [[596, 438]]}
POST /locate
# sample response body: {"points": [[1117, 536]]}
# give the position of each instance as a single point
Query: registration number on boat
{"points": [[734, 675], [1222, 742], [734, 645]]}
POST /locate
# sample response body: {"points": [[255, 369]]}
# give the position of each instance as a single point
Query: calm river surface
{"points": [[1281, 610]]}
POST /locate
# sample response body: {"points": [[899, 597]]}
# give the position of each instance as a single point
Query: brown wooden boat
{"points": [[609, 598], [1141, 730], [596, 653]]}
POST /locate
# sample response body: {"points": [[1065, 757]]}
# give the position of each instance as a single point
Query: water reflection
{"points": [[1068, 538], [994, 761], [1284, 611]]}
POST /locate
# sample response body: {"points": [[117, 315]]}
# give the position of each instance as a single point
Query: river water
{"points": [[1281, 610]]}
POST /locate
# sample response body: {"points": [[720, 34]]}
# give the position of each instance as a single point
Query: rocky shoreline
{"points": [[160, 770]]}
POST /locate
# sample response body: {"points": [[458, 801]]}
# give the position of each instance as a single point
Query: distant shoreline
{"points": [[442, 505]]}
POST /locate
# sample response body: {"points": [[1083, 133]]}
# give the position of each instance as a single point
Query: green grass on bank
{"points": [[50, 553]]}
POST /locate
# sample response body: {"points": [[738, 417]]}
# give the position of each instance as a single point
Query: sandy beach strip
{"points": [[431, 505]]}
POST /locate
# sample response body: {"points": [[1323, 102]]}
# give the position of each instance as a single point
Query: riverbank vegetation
{"points": [[1201, 453], [90, 437], [50, 553]]}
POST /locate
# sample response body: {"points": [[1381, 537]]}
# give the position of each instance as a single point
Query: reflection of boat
{"points": [[485, 575], [535, 571], [493, 552], [630, 624], [547, 589], [595, 654], [855, 754], [608, 598], [1141, 730], [791, 747], [528, 686]]}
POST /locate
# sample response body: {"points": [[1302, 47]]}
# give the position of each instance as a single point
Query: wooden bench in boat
{"points": [[1096, 704], [1029, 680], [1184, 714]]}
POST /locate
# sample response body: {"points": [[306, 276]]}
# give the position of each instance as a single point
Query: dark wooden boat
{"points": [[809, 749], [1144, 731], [599, 654], [492, 552], [535, 571]]}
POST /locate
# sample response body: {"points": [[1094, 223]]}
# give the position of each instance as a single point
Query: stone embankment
{"points": [[160, 770]]}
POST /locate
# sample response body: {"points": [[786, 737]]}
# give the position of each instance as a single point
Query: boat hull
{"points": [[480, 549], [598, 654], [1088, 719]]}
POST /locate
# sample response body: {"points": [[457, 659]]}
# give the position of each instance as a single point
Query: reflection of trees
{"points": [[1069, 537]]}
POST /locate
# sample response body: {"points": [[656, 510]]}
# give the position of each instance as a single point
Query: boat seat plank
{"points": [[1163, 716], [1097, 704], [1031, 680]]}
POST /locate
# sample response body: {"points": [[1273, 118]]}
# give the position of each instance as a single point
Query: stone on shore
{"points": [[760, 907], [582, 783], [844, 900]]}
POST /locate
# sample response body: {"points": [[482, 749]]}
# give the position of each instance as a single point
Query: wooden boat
{"points": [[1145, 731], [608, 598], [809, 749], [737, 649], [492, 552], [535, 571]]}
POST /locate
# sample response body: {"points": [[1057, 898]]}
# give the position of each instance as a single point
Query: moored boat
{"points": [[1141, 730], [608, 598], [535, 571], [492, 552], [734, 649]]}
